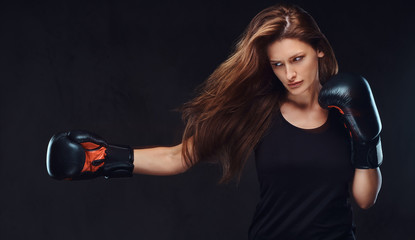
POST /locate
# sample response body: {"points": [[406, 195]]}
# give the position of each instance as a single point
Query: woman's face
{"points": [[295, 63]]}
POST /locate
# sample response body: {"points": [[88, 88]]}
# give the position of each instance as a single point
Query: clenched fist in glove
{"points": [[351, 95], [83, 155]]}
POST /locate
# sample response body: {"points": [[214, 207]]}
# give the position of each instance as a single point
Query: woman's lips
{"points": [[295, 84]]}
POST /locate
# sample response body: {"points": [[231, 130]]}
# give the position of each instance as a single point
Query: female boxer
{"points": [[279, 95]]}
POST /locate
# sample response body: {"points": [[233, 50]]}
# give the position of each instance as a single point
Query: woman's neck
{"points": [[305, 101]]}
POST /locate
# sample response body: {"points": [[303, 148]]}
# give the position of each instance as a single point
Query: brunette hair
{"points": [[235, 105]]}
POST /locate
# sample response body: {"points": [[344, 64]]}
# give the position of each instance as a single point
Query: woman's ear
{"points": [[320, 54]]}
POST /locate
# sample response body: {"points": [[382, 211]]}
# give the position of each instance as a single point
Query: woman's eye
{"points": [[277, 64], [296, 59]]}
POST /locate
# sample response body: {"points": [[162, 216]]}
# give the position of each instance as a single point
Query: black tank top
{"points": [[304, 177]]}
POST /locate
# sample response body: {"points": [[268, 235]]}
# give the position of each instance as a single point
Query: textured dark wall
{"points": [[118, 68]]}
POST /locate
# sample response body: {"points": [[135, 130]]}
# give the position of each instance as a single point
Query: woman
{"points": [[263, 98]]}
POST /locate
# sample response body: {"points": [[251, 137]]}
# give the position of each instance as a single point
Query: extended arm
{"points": [[83, 155], [159, 161]]}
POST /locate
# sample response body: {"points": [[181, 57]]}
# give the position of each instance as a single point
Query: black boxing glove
{"points": [[76, 155], [351, 95]]}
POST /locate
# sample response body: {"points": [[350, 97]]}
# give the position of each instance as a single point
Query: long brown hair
{"points": [[235, 105]]}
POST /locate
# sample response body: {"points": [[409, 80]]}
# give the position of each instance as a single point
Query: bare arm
{"points": [[366, 186], [159, 161]]}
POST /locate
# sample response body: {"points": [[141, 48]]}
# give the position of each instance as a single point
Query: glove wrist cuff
{"points": [[368, 155], [119, 161]]}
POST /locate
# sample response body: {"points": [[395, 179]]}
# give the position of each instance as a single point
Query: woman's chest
{"points": [[324, 151]]}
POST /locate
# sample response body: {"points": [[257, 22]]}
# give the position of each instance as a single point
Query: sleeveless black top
{"points": [[304, 177]]}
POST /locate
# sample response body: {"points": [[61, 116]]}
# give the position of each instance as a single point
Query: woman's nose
{"points": [[291, 73]]}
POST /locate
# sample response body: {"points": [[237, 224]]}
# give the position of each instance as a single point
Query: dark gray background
{"points": [[118, 68]]}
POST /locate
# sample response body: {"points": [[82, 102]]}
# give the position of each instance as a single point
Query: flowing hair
{"points": [[235, 105]]}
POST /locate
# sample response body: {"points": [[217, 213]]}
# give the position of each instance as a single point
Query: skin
{"points": [[292, 61], [159, 161]]}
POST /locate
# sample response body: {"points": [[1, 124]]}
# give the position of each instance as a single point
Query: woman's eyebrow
{"points": [[293, 56]]}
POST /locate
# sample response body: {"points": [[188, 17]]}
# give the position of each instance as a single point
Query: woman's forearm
{"points": [[366, 186], [159, 161]]}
